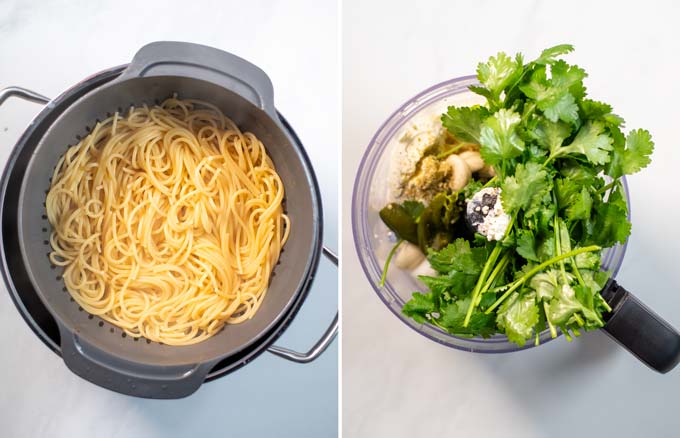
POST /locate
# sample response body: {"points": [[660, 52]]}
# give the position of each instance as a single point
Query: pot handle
{"points": [[640, 330], [170, 58], [126, 377], [323, 343]]}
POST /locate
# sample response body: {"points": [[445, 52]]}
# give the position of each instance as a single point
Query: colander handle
{"points": [[130, 378], [323, 343], [640, 330], [22, 93], [170, 58]]}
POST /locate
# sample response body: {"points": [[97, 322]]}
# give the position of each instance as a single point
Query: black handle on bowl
{"points": [[640, 330], [171, 58], [126, 377]]}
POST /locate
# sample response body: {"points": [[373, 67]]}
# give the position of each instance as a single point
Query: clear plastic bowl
{"points": [[373, 240]]}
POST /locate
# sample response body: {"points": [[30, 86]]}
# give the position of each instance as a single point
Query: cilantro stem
{"points": [[517, 283], [549, 159], [577, 272], [608, 186], [446, 153], [558, 243], [435, 322], [604, 302], [387, 262], [578, 320], [565, 332], [553, 332], [492, 277], [528, 111], [480, 281], [558, 246], [489, 182]]}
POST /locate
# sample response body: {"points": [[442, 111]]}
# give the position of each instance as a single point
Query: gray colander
{"points": [[95, 349]]}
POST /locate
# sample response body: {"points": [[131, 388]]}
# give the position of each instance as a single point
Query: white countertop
{"points": [[49, 46], [397, 383]]}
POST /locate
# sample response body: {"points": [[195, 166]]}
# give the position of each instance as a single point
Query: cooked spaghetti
{"points": [[168, 221]]}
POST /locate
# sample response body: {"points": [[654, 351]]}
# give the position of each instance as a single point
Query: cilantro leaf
{"points": [[471, 188], [517, 316], [548, 55], [458, 256], [550, 135], [526, 189], [499, 138], [419, 307], [499, 72], [567, 303], [591, 141], [465, 122], [594, 110], [568, 77], [555, 96], [454, 284], [610, 224], [588, 260], [581, 206], [574, 198], [526, 245], [453, 315], [563, 108], [633, 156], [547, 283]]}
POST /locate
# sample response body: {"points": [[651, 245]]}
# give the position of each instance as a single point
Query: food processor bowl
{"points": [[373, 240]]}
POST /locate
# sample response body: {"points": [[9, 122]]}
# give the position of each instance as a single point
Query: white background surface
{"points": [[49, 46], [397, 383]]}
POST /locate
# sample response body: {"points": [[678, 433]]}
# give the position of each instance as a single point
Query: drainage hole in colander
{"points": [[63, 289], [80, 309], [148, 341], [90, 316], [71, 299], [44, 216], [53, 267], [44, 230], [111, 330], [58, 277], [101, 323], [123, 335]]}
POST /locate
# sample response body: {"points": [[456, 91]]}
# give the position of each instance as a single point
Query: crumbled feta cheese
{"points": [[486, 215]]}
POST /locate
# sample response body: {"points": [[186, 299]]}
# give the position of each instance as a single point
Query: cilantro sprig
{"points": [[559, 158]]}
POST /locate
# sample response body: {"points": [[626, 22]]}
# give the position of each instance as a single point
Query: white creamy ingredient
{"points": [[496, 220], [422, 130]]}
